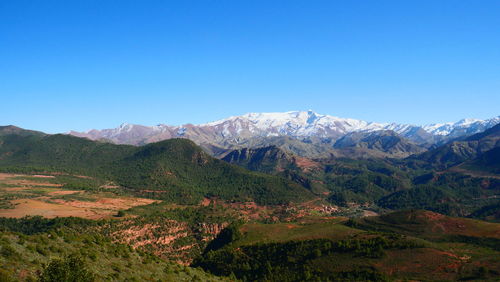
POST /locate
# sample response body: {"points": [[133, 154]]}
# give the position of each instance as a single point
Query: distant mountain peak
{"points": [[471, 125], [237, 130]]}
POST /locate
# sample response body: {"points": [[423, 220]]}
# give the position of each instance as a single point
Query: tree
{"points": [[70, 269]]}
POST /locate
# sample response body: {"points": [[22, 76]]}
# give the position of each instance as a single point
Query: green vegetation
{"points": [[184, 173], [37, 224], [290, 233], [74, 250], [70, 269], [226, 236], [400, 246], [292, 261], [489, 212], [448, 193], [174, 170], [178, 171], [381, 183]]}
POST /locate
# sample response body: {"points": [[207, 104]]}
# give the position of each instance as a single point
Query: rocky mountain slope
{"points": [[457, 152], [386, 141], [306, 126]]}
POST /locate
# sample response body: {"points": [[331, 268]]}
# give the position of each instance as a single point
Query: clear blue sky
{"points": [[95, 63]]}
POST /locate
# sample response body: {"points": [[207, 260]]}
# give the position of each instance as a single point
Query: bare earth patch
{"points": [[306, 164], [112, 204], [4, 176], [102, 208], [25, 207], [30, 201]]}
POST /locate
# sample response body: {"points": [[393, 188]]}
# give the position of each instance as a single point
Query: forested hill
{"points": [[175, 170]]}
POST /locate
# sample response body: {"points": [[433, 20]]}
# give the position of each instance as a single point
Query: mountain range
{"points": [[305, 133], [257, 213], [450, 178]]}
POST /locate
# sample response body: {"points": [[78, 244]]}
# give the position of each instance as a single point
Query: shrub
{"points": [[69, 269]]}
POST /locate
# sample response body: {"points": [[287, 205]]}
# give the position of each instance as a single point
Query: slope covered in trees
{"points": [[174, 170], [406, 245]]}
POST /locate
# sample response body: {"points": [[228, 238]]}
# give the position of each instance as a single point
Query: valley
{"points": [[376, 208], [249, 141]]}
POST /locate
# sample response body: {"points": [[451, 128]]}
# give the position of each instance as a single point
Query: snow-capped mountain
{"points": [[467, 126], [295, 124], [236, 130]]}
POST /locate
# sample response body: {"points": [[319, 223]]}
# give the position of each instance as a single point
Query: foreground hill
{"points": [[408, 245], [174, 170], [230, 240], [430, 225], [70, 249]]}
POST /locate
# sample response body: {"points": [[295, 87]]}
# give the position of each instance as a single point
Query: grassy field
{"points": [[429, 224], [425, 246], [306, 229]]}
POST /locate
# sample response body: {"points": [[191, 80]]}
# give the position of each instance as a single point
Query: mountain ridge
{"points": [[231, 132], [456, 152]]}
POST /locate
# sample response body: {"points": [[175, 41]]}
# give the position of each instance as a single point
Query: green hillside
{"points": [[59, 249], [173, 170], [487, 162], [408, 245], [394, 184]]}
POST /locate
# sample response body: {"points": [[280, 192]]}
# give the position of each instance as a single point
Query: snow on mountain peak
{"points": [[471, 125], [293, 123], [310, 123], [125, 127]]}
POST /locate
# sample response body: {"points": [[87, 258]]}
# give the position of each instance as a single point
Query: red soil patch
{"points": [[112, 204], [432, 216], [13, 189], [205, 202], [4, 176], [306, 164], [438, 223], [443, 265], [25, 207], [102, 208]]}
